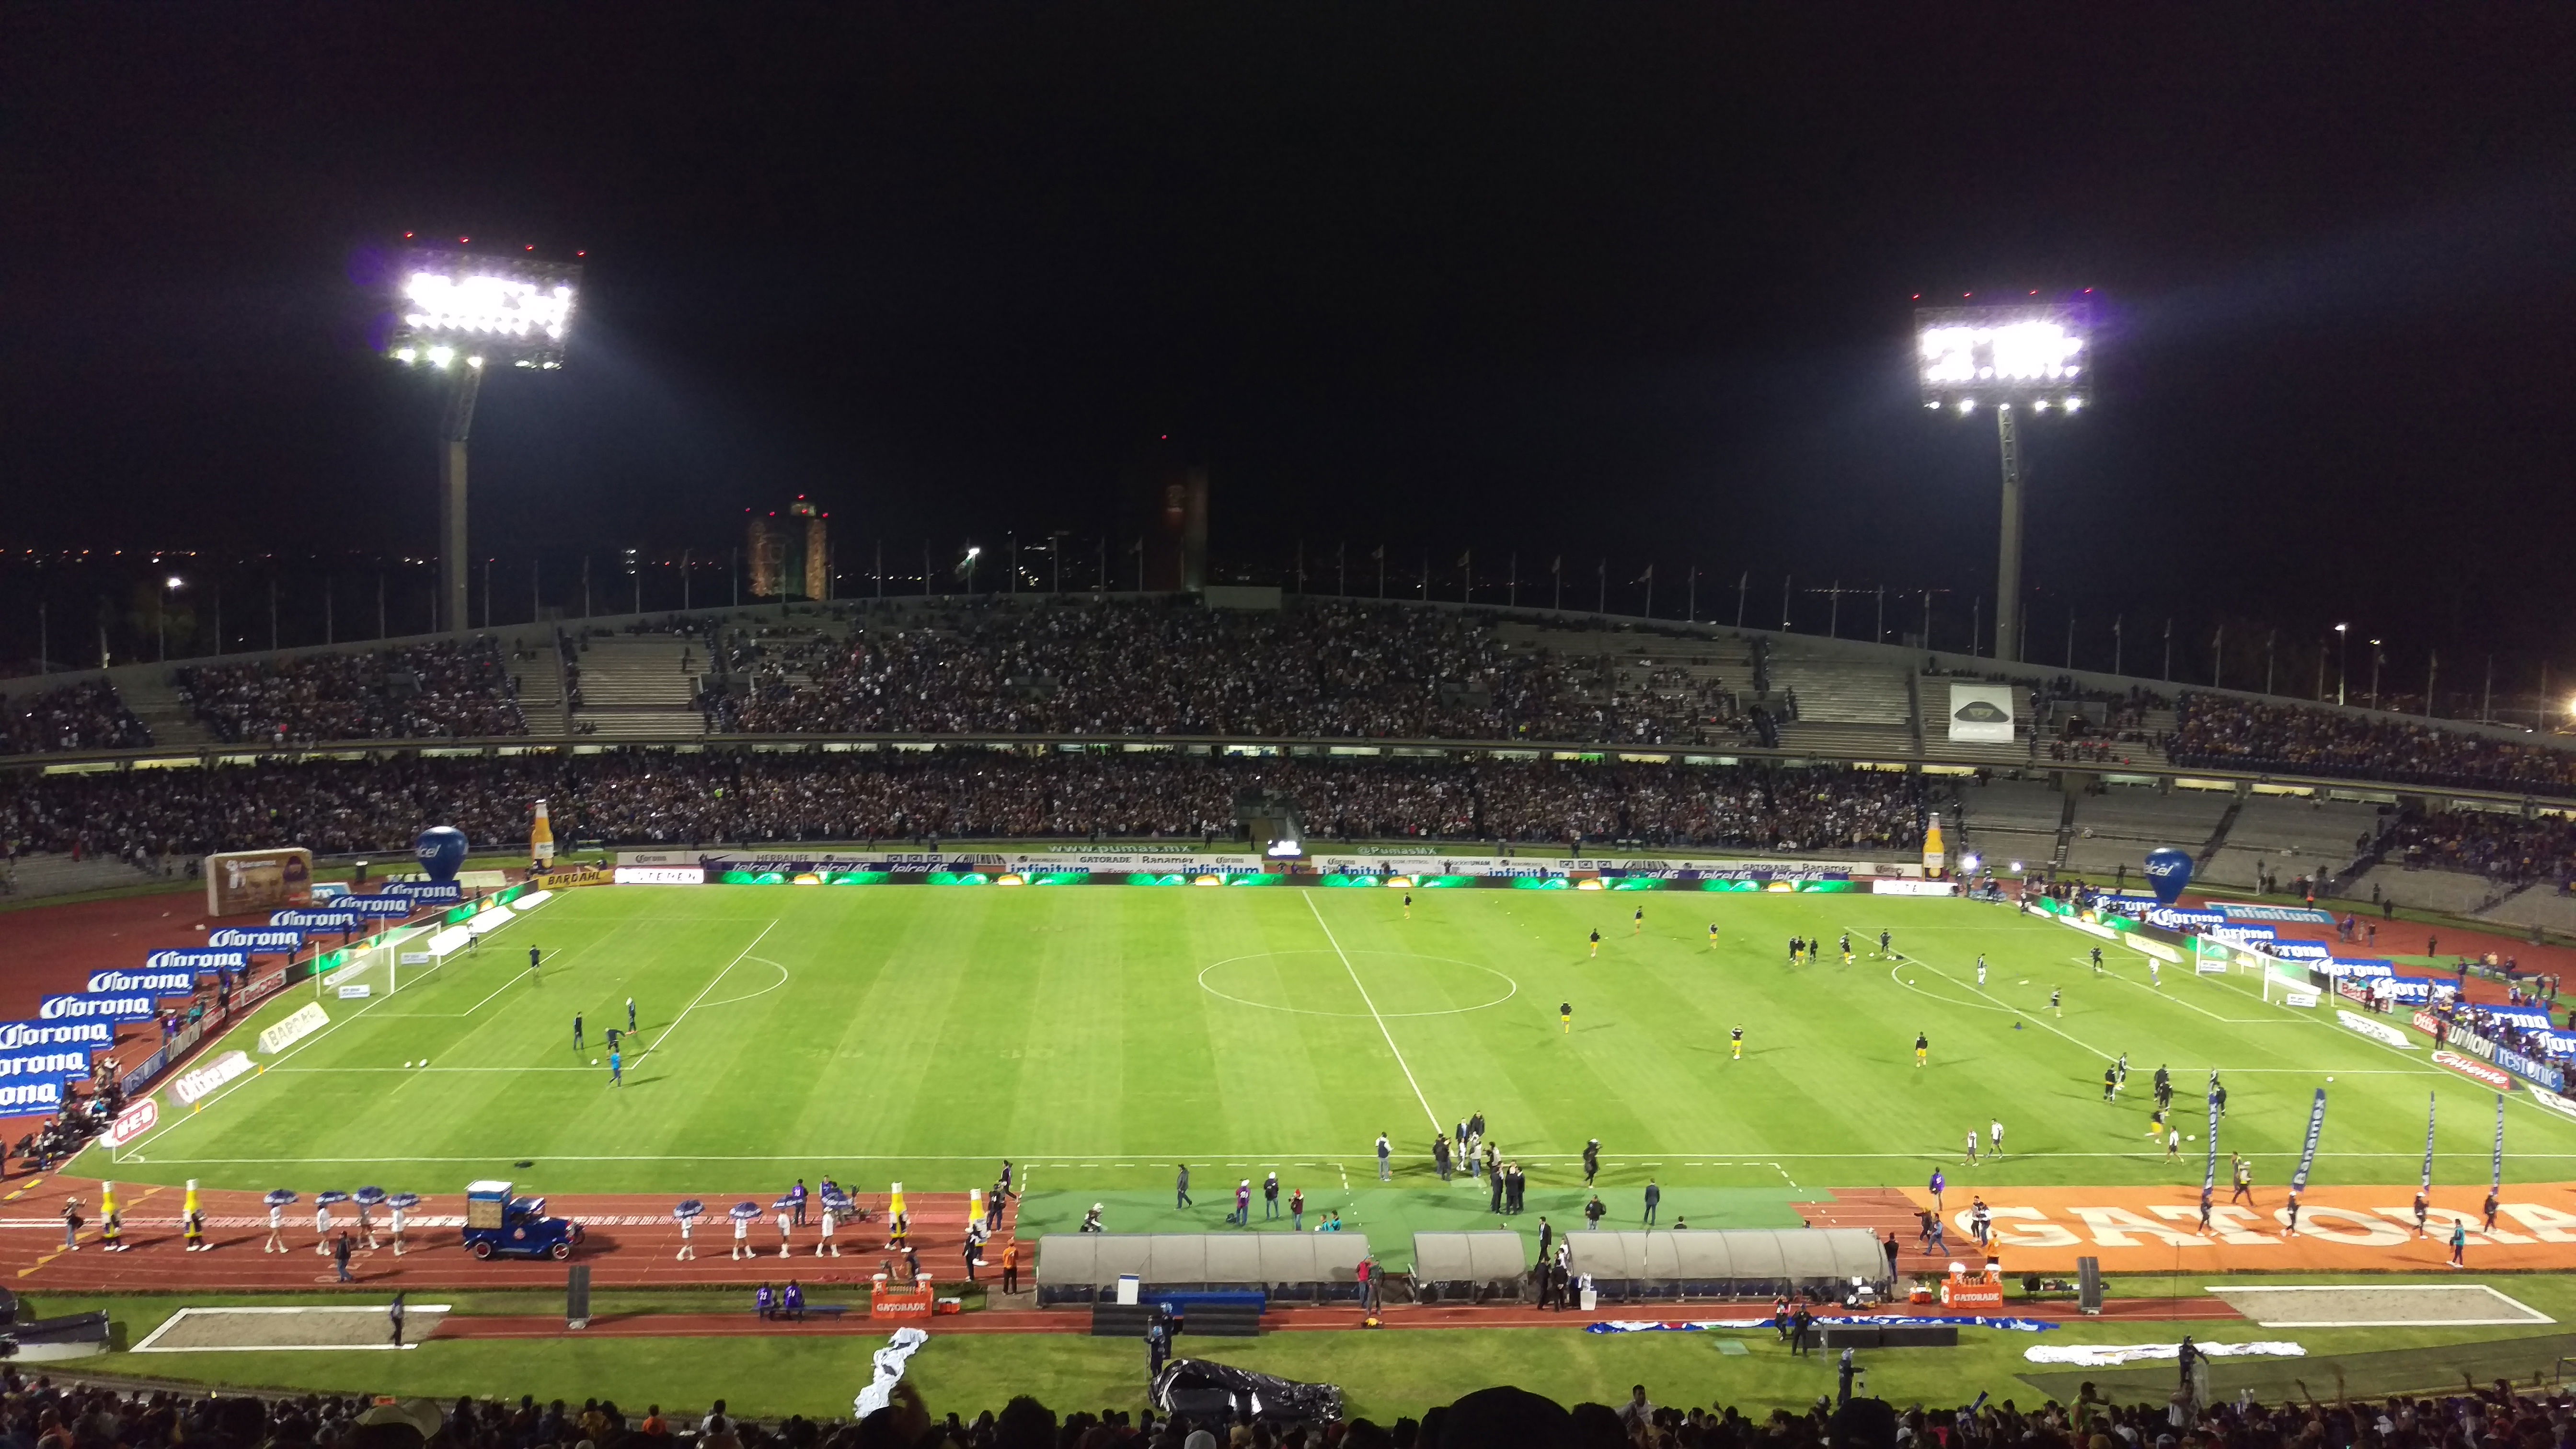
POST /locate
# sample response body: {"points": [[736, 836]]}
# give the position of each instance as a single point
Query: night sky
{"points": [[1624, 281]]}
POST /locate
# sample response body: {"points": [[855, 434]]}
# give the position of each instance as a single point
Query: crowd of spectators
{"points": [[41, 1413], [2506, 849], [661, 797], [443, 690], [1155, 667], [2229, 733], [87, 716]]}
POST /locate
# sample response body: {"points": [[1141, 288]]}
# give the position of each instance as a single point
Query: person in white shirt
{"points": [[276, 1229], [1995, 1137], [825, 1227], [786, 1248], [322, 1229], [395, 1224], [742, 1238], [686, 1250]]}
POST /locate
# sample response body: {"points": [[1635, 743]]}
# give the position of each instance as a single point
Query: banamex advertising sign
{"points": [[2168, 871]]}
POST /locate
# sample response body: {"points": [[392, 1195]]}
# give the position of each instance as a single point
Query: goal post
{"points": [[378, 966]]}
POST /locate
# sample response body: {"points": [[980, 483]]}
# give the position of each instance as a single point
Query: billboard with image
{"points": [[1981, 713]]}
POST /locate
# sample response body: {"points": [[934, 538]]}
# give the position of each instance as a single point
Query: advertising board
{"points": [[242, 881], [1981, 713]]}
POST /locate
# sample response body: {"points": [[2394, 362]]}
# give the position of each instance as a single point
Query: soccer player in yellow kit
{"points": [[1736, 1039]]}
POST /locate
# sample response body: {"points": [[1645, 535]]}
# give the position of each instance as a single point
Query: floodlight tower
{"points": [[2036, 357], [460, 314]]}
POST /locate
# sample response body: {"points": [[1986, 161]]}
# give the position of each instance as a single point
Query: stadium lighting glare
{"points": [[1971, 861], [2000, 353], [174, 582], [2030, 354], [506, 310]]}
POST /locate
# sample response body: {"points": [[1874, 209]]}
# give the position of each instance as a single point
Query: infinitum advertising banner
{"points": [[1981, 713]]}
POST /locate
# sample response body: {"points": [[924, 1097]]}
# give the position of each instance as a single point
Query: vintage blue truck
{"points": [[498, 1224]]}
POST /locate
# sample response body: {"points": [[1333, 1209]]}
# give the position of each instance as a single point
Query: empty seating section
{"points": [[2287, 836], [2120, 826]]}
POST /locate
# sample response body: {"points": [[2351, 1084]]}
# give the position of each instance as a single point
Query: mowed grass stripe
{"points": [[926, 1033]]}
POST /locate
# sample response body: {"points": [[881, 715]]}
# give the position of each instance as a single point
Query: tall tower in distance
{"points": [[791, 556]]}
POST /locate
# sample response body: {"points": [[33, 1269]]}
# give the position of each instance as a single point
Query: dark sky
{"points": [[1626, 280]]}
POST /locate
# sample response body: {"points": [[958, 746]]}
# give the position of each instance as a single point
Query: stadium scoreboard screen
{"points": [[502, 310], [2040, 355]]}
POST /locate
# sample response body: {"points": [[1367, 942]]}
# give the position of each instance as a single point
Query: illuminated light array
{"points": [[2019, 352], [501, 306]]}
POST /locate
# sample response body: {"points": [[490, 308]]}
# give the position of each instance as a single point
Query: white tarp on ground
{"points": [[889, 1369], [2107, 1355]]}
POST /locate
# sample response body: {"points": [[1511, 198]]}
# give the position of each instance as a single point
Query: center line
{"points": [[1380, 1020]]}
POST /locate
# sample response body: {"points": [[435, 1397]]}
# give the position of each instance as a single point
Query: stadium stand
{"points": [[663, 797], [2235, 733], [443, 689], [84, 716], [2120, 824], [638, 685], [2009, 820], [2283, 837]]}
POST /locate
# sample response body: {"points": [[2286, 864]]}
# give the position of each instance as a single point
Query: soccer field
{"points": [[1100, 1036]]}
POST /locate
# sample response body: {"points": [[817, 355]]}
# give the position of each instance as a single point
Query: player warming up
{"points": [[1565, 1016], [1735, 1039], [1847, 951], [1596, 941], [1712, 935], [1922, 1049], [1639, 928], [576, 1031], [534, 956], [1981, 968]]}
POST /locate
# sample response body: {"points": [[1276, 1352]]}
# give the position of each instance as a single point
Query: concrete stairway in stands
{"points": [[634, 687], [538, 678], [157, 703]]}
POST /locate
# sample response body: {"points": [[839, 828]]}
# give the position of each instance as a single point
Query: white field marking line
{"points": [[1436, 1124], [764, 991], [660, 1041], [2176, 998], [324, 1071], [2033, 1015], [133, 1150], [2478, 1155]]}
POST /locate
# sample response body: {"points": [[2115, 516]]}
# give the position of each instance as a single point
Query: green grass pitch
{"points": [[1100, 1036]]}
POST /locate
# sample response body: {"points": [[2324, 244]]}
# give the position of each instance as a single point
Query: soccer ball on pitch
{"points": [[594, 1061], [406, 1066]]}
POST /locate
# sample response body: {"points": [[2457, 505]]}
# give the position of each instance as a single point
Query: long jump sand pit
{"points": [[2385, 1305], [359, 1326]]}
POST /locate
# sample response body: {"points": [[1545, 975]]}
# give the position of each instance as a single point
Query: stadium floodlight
{"points": [[484, 310], [2038, 357]]}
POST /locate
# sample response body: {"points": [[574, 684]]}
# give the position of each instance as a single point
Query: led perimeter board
{"points": [[2041, 355], [499, 309]]}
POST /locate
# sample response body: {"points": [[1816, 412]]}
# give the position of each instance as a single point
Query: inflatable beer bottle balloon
{"points": [[541, 838], [1934, 855]]}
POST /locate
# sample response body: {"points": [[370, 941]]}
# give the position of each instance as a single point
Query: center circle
{"points": [[1322, 974]]}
